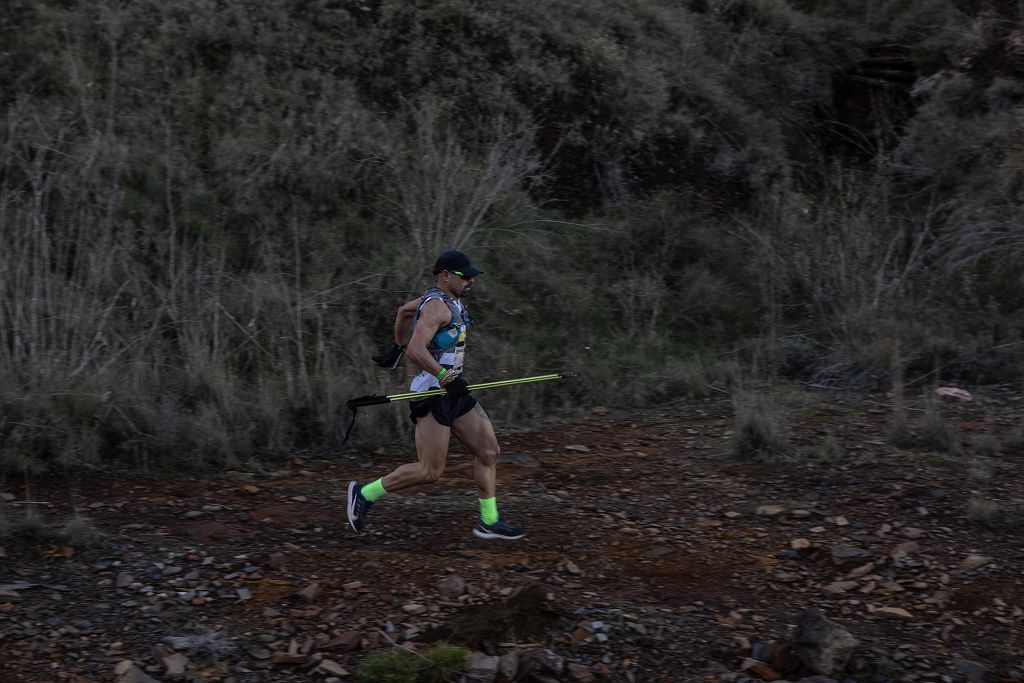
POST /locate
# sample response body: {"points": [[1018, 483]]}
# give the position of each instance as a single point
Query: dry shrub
{"points": [[981, 470], [899, 431], [80, 532], [760, 427], [1013, 441], [995, 515], [937, 434], [984, 445]]}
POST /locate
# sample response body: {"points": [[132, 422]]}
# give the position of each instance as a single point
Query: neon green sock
{"points": [[489, 510], [374, 490]]}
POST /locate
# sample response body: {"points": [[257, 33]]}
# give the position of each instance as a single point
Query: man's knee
{"points": [[428, 475], [489, 454]]}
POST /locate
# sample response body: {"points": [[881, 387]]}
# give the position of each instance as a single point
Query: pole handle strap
{"points": [[369, 400]]}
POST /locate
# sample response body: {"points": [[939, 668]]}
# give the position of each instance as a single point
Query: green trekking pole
{"points": [[374, 400]]}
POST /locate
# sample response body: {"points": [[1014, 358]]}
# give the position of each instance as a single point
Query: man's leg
{"points": [[431, 452], [432, 440], [475, 430]]}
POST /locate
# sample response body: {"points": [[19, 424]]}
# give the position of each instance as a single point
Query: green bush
{"points": [[437, 664]]}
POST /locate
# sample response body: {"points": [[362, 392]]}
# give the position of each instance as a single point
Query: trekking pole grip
{"points": [[361, 401]]}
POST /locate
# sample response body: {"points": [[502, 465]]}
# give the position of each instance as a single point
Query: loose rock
{"points": [[821, 644]]}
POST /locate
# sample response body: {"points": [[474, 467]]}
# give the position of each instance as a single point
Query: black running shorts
{"points": [[445, 409]]}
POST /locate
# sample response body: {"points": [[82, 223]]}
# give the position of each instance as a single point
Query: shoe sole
{"points": [[351, 506], [485, 535]]}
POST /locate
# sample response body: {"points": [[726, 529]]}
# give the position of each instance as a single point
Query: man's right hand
{"points": [[391, 357], [455, 387]]}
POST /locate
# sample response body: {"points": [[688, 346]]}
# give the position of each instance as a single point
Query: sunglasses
{"points": [[460, 274]]}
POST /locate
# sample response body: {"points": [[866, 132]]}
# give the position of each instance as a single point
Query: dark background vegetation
{"points": [[210, 209]]}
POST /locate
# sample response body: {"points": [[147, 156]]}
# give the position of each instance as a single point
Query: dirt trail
{"points": [[656, 555]]}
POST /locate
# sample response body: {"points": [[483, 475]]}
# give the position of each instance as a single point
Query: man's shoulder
{"points": [[436, 307]]}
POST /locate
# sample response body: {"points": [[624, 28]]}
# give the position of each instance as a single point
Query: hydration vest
{"points": [[448, 345]]}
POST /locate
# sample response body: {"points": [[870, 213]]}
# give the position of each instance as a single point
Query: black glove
{"points": [[391, 357], [457, 387]]}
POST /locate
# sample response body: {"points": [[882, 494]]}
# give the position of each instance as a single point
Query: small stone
{"points": [[840, 586], [287, 658], [508, 666], [541, 660], [346, 642], [800, 544], [862, 570], [895, 613], [845, 553], [333, 668], [483, 667], [175, 665], [192, 514], [311, 593], [127, 672], [972, 671], [821, 644], [581, 673], [770, 510], [452, 586], [123, 580], [841, 521], [414, 609], [904, 549], [953, 394], [571, 568], [578, 448], [974, 561]]}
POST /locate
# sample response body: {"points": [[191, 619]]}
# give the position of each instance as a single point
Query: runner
{"points": [[438, 321]]}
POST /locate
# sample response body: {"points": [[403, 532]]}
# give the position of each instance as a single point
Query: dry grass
{"points": [[899, 431], [981, 471], [984, 445], [1012, 441], [937, 434], [760, 430], [79, 532], [995, 515]]}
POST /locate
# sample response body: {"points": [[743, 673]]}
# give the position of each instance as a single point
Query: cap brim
{"points": [[472, 271]]}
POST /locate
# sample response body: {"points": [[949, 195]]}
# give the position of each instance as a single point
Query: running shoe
{"points": [[498, 530], [357, 506]]}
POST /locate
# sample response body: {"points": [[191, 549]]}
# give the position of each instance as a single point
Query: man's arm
{"points": [[403, 320]]}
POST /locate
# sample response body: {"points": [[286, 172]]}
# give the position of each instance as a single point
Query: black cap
{"points": [[456, 261]]}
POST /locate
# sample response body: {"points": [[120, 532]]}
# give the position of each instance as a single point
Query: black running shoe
{"points": [[498, 530], [357, 506]]}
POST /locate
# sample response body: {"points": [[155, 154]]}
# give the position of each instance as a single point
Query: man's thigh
{"points": [[432, 439], [476, 431]]}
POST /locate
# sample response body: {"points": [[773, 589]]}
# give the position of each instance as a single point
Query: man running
{"points": [[439, 320]]}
